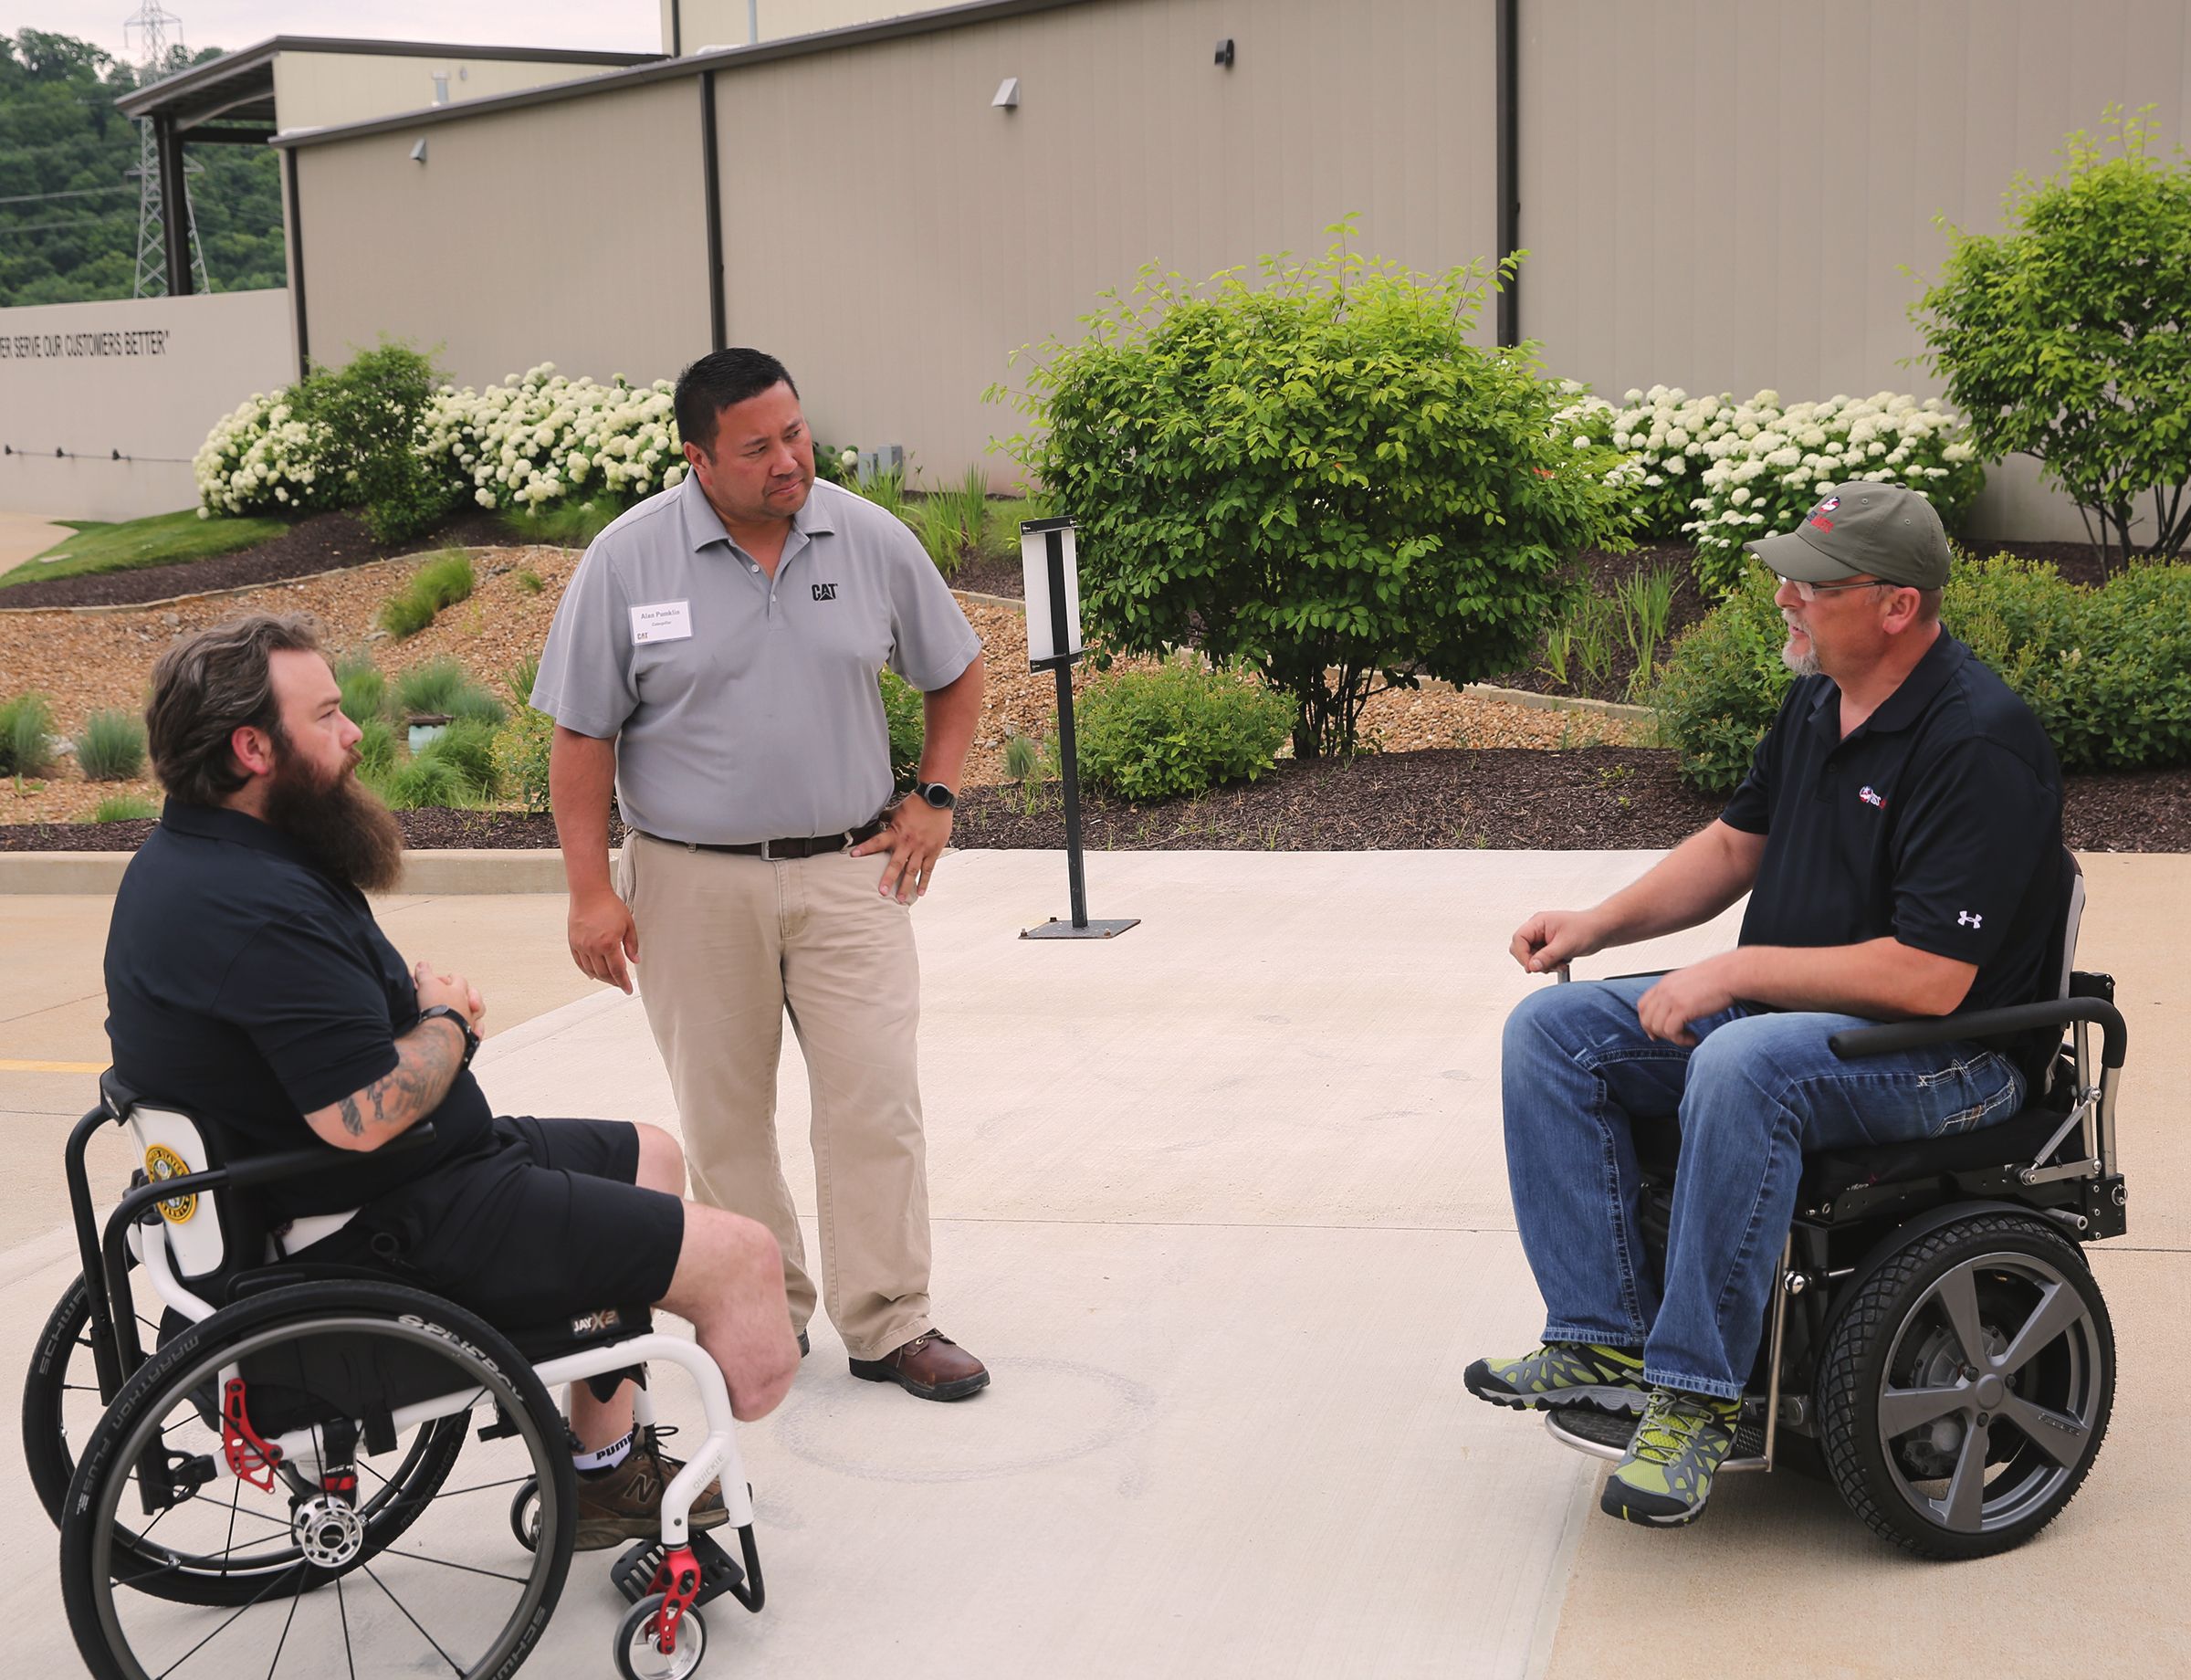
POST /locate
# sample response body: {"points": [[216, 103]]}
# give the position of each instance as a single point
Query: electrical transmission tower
{"points": [[158, 33]]}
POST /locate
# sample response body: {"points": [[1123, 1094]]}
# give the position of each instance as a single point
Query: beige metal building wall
{"points": [[1723, 194], [572, 232], [938, 234], [320, 90], [730, 23]]}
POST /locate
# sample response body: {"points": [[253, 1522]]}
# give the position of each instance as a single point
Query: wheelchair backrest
{"points": [[2065, 951], [205, 1228]]}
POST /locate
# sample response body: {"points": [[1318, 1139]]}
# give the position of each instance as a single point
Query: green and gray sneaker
{"points": [[1562, 1373], [1666, 1475]]}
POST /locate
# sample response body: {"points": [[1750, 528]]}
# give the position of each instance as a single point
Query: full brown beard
{"points": [[349, 834]]}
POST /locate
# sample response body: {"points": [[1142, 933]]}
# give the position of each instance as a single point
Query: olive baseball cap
{"points": [[1862, 529]]}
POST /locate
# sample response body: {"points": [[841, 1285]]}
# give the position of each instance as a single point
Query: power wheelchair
{"points": [[278, 1477], [1937, 1346]]}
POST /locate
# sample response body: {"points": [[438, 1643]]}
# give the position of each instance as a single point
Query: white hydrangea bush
{"points": [[539, 437], [1720, 472], [1764, 470], [263, 459]]}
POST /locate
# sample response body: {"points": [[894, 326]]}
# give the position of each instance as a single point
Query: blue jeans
{"points": [[1757, 1089]]}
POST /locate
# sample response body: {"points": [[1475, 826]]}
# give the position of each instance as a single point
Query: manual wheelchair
{"points": [[1937, 1346], [278, 1479]]}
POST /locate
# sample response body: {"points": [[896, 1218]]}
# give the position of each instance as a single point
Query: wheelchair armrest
{"points": [[1857, 1042], [303, 1163]]}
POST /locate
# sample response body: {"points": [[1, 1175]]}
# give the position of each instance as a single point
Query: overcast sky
{"points": [[623, 26]]}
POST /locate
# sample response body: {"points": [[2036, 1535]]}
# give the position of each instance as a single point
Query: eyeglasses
{"points": [[1811, 592]]}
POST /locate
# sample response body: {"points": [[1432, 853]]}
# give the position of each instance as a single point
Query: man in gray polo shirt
{"points": [[714, 661]]}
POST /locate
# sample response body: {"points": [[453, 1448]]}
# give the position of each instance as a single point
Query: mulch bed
{"points": [[1589, 798], [324, 542]]}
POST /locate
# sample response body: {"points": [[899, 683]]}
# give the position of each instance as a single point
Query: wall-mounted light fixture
{"points": [[418, 152], [1224, 53], [1008, 94]]}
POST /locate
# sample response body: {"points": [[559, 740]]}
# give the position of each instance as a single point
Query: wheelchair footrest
{"points": [[635, 1568], [1606, 1434]]}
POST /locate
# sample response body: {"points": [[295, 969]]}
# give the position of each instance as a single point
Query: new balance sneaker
{"points": [[1562, 1373], [625, 1504], [1666, 1475]]}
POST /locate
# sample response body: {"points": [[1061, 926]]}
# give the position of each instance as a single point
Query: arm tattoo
{"points": [[425, 1065]]}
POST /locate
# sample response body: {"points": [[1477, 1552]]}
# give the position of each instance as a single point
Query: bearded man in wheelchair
{"points": [[1898, 832], [250, 987]]}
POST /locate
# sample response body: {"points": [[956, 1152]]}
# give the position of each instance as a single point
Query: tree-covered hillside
{"points": [[67, 202]]}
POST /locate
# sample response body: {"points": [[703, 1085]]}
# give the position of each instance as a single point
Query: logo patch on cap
{"points": [[1818, 513]]}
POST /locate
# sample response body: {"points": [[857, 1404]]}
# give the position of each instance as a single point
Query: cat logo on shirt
{"points": [[162, 1163]]}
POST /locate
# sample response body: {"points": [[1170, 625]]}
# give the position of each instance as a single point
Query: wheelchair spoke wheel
{"points": [[292, 1461], [1968, 1386]]}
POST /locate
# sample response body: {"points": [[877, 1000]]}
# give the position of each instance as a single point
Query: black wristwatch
{"points": [[936, 793], [471, 1039]]}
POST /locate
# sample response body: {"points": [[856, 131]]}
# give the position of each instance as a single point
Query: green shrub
{"points": [[2064, 337], [954, 523], [1326, 475], [467, 746], [405, 615], [124, 808], [440, 687], [374, 413], [112, 746], [531, 582], [1723, 683], [376, 747], [1182, 729], [521, 750], [364, 689], [521, 679], [2106, 671], [907, 718], [26, 736]]}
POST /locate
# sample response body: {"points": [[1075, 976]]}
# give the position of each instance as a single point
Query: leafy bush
{"points": [[1723, 683], [374, 413], [364, 689], [1328, 478], [2106, 671], [26, 736], [1182, 729], [442, 582], [2064, 338], [124, 808], [110, 747], [267, 456], [904, 713]]}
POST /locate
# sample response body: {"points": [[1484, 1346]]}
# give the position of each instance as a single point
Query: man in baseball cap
{"points": [[1900, 836]]}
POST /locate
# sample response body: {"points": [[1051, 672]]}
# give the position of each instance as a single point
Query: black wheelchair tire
{"points": [[51, 1465], [1855, 1373], [107, 1452]]}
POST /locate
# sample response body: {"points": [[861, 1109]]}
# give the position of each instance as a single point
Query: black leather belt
{"points": [[777, 851]]}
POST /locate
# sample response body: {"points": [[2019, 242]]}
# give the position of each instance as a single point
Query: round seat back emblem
{"points": [[162, 1163]]}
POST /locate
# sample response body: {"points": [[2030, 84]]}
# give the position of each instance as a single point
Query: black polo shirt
{"points": [[248, 989], [1937, 822]]}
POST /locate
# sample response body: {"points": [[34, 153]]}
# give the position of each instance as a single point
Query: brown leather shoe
{"points": [[931, 1366], [626, 1504]]}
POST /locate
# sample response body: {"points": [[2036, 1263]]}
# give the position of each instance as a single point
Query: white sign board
{"points": [[1035, 566]]}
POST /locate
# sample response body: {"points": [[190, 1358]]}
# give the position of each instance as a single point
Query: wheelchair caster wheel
{"points": [[525, 1515], [638, 1657]]}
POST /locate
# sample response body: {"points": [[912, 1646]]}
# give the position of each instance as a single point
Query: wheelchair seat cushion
{"points": [[2010, 1142]]}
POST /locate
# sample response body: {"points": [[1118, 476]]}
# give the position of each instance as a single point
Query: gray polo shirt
{"points": [[745, 708]]}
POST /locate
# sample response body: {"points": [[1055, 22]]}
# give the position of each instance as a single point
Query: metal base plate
{"points": [[634, 1571], [1056, 929], [1605, 1434]]}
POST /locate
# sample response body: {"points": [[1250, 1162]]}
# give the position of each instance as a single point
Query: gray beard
{"points": [[1802, 665]]}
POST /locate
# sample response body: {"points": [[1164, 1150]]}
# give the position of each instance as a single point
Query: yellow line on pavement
{"points": [[8, 1066]]}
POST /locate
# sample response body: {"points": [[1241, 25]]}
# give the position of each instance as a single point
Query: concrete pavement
{"points": [[25, 535], [1222, 1202]]}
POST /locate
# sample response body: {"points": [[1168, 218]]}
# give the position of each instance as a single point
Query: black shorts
{"points": [[542, 1221]]}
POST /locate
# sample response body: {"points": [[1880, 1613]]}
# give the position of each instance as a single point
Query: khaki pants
{"points": [[727, 946]]}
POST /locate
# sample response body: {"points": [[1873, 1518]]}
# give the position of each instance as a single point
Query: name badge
{"points": [[665, 621]]}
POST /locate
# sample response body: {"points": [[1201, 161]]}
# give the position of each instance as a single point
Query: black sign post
{"points": [[1053, 585]]}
